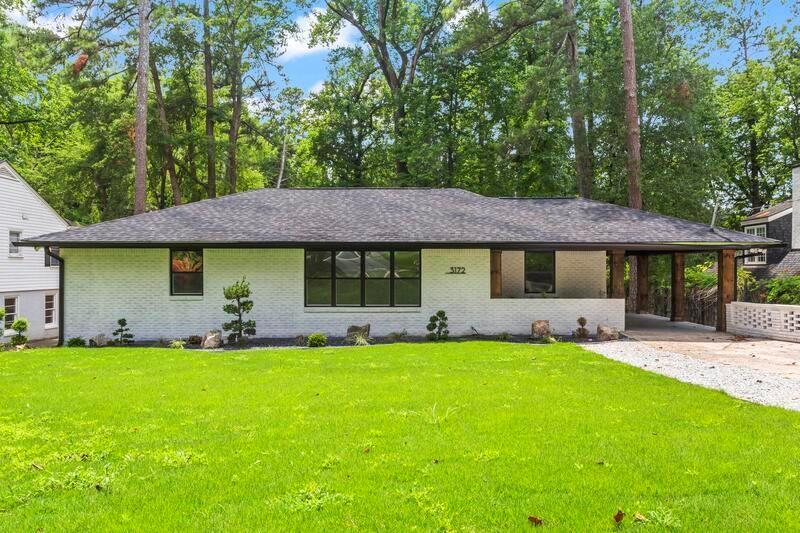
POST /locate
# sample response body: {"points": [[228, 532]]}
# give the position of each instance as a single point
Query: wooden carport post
{"points": [[643, 283], [678, 313], [726, 283], [618, 273]]}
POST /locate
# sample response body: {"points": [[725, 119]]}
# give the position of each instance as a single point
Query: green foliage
{"points": [[122, 335], [504, 336], [317, 340], [76, 342], [240, 305], [437, 327], [20, 327], [177, 344], [783, 290]]}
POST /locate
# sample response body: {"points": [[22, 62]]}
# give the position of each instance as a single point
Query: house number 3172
{"points": [[457, 270]]}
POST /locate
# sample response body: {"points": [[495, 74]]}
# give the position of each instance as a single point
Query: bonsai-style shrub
{"points": [[317, 340], [177, 344], [76, 342], [20, 326], [437, 326], [582, 332], [238, 293], [122, 335]]}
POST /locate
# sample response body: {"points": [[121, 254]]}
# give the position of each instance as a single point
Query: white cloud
{"points": [[58, 23], [298, 44]]}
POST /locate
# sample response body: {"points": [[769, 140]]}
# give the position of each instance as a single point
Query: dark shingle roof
{"points": [[770, 211], [445, 217]]}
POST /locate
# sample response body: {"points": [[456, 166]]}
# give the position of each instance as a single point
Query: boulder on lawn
{"points": [[98, 341], [352, 331], [540, 329], [607, 333], [212, 340]]}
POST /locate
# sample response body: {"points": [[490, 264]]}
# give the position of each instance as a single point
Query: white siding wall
{"points": [[103, 285], [25, 275]]}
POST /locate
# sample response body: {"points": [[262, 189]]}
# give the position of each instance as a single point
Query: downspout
{"points": [[60, 260]]}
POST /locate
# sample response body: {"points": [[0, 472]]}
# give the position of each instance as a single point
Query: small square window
{"points": [[186, 272], [540, 272]]}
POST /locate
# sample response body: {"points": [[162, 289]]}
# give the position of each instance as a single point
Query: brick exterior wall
{"points": [[103, 285], [578, 275]]}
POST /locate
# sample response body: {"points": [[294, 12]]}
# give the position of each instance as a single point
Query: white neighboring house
{"points": [[28, 279]]}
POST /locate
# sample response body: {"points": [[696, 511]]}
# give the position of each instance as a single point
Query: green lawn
{"points": [[459, 436]]}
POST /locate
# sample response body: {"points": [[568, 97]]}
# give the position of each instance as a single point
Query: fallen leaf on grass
{"points": [[619, 516], [37, 467], [535, 520], [639, 517]]}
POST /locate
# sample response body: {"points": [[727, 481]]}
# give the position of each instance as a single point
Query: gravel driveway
{"points": [[739, 381]]}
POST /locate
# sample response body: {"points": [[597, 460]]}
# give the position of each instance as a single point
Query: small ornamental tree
{"points": [[437, 325], [238, 293], [20, 326], [122, 335]]}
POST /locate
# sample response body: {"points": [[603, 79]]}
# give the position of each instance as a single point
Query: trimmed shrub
{"points": [[317, 340], [238, 293], [76, 342], [122, 335], [20, 327], [437, 326], [177, 344]]}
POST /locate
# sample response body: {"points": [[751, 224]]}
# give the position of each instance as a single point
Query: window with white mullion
{"points": [[756, 256], [10, 306]]}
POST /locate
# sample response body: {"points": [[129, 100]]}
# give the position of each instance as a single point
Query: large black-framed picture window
{"points": [[540, 272], [186, 272], [363, 278]]}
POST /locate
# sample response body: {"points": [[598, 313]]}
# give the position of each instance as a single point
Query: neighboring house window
{"points": [[51, 261], [49, 309], [10, 305], [13, 238], [540, 272], [761, 254], [354, 278], [186, 272]]}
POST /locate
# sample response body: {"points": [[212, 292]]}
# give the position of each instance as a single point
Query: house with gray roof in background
{"points": [[326, 258], [781, 222]]}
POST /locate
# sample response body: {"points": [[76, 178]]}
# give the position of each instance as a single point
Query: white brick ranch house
{"points": [[323, 259]]}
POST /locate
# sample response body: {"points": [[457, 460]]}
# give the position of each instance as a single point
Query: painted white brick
{"points": [[774, 321], [103, 285]]}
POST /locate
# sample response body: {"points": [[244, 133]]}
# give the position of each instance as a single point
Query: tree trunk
{"points": [[583, 159], [140, 140], [169, 159], [236, 119], [400, 163], [211, 159], [283, 161], [632, 141]]}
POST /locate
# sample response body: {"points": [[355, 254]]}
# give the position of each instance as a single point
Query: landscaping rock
{"points": [[194, 340], [98, 341], [607, 333], [212, 340], [540, 329], [352, 331]]}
